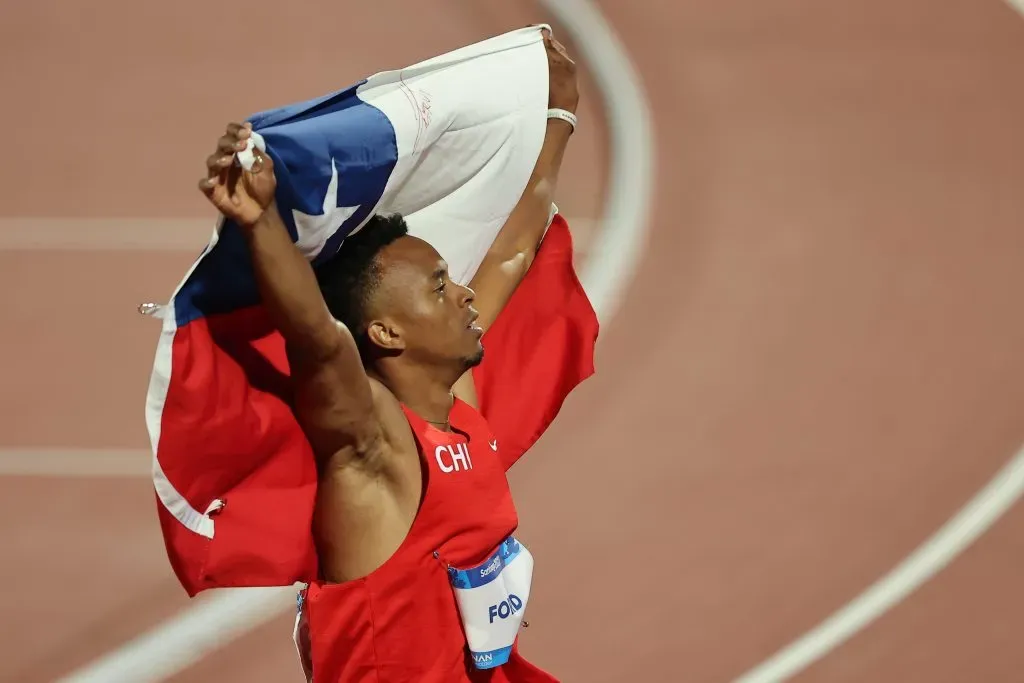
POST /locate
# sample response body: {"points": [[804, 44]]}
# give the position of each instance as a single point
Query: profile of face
{"points": [[419, 312]]}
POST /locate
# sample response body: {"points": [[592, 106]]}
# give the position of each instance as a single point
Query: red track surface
{"points": [[818, 363]]}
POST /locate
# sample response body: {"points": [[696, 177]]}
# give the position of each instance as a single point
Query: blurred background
{"points": [[813, 365]]}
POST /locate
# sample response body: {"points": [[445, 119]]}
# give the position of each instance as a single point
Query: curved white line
{"points": [[183, 640], [613, 257], [612, 260], [973, 520], [105, 234], [73, 463]]}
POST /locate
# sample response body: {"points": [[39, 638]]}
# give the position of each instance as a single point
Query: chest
{"points": [[466, 500]]}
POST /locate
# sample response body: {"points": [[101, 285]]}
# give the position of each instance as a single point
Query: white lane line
{"points": [[615, 252], [973, 520], [75, 462], [612, 261], [1017, 5], [107, 234], [214, 620]]}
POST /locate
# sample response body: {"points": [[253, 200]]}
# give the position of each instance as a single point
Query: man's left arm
{"points": [[513, 250]]}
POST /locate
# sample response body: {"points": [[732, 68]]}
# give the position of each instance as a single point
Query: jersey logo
{"points": [[493, 445], [457, 455]]}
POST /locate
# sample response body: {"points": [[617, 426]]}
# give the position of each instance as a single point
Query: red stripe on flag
{"points": [[539, 349]]}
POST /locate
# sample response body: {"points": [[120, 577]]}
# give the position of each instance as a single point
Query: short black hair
{"points": [[349, 278]]}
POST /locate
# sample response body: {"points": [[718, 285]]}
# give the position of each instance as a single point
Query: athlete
{"points": [[421, 577]]}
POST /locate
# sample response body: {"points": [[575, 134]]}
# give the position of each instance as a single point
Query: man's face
{"points": [[432, 316]]}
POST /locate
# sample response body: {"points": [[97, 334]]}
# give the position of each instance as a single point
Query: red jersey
{"points": [[404, 622]]}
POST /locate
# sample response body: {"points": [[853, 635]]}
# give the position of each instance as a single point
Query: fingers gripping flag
{"points": [[450, 143]]}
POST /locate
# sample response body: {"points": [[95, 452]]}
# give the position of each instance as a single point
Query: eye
{"points": [[442, 288]]}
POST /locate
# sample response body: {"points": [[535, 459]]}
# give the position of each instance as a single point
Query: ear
{"points": [[385, 335]]}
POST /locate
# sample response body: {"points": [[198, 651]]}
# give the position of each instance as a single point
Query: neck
{"points": [[422, 389]]}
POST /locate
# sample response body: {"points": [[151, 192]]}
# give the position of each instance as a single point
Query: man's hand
{"points": [[240, 195], [563, 90]]}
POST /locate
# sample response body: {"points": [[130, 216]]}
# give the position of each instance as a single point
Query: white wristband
{"points": [[564, 115]]}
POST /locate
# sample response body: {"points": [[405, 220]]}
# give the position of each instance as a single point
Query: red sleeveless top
{"points": [[401, 623]]}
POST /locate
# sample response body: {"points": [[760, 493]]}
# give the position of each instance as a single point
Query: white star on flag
{"points": [[313, 231]]}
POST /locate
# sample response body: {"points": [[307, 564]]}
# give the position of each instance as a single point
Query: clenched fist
{"points": [[563, 91], [240, 195]]}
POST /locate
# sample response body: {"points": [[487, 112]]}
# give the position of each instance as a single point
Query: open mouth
{"points": [[471, 325]]}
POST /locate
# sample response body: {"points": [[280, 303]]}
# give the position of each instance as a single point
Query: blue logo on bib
{"points": [[505, 608], [457, 578], [489, 570]]}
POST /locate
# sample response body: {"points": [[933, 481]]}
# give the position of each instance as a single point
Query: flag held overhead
{"points": [[450, 143]]}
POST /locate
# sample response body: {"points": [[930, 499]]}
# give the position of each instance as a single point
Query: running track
{"points": [[818, 363]]}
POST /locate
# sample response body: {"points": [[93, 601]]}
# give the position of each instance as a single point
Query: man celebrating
{"points": [[421, 577]]}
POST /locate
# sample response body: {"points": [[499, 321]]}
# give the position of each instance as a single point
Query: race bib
{"points": [[492, 599]]}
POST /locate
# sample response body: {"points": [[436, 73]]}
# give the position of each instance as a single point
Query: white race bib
{"points": [[492, 599]]}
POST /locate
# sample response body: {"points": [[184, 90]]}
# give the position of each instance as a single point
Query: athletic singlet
{"points": [[446, 606]]}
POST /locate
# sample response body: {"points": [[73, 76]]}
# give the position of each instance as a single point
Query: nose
{"points": [[468, 296]]}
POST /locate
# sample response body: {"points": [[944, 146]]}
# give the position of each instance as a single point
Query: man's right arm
{"points": [[333, 398]]}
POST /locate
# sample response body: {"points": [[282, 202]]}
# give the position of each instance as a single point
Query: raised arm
{"points": [[510, 256], [333, 399], [512, 252]]}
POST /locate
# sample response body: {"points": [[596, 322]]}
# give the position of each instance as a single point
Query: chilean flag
{"points": [[450, 143]]}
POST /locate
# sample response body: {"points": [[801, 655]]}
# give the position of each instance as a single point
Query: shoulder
{"points": [[395, 430]]}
